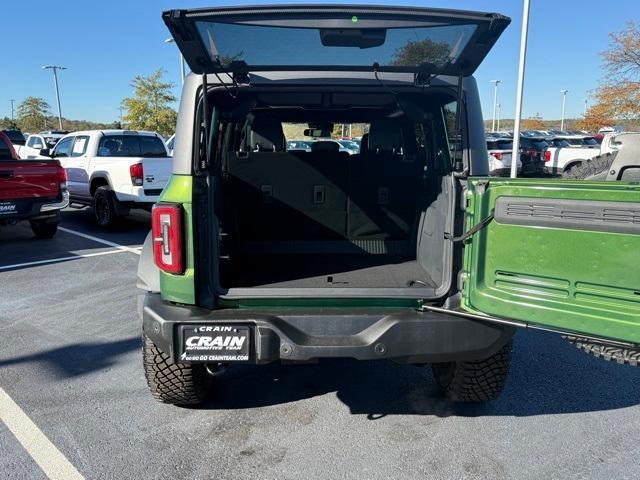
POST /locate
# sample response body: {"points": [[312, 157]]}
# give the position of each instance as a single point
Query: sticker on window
{"points": [[79, 146]]}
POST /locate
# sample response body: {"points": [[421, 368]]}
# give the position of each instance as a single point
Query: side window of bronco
{"points": [[453, 139]]}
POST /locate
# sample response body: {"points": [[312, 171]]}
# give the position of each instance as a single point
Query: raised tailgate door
{"points": [[560, 254], [334, 37]]}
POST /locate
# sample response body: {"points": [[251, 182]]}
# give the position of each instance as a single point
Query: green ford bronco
{"points": [[274, 242]]}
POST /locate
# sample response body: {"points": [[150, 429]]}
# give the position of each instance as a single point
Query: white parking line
{"points": [[102, 240], [51, 460], [60, 259]]}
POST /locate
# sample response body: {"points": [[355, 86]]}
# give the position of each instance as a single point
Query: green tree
{"points": [[31, 114], [149, 109], [617, 99], [417, 52]]}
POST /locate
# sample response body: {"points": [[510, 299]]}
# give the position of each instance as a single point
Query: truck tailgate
{"points": [[29, 179], [156, 174]]}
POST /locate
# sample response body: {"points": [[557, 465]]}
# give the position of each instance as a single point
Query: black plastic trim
{"points": [[593, 215], [401, 334]]}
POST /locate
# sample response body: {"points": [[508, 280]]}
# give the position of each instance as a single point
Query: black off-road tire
{"points": [[621, 355], [595, 169], [474, 381], [43, 229], [104, 206], [174, 383]]}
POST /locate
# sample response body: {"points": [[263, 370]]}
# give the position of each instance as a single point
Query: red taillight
{"points": [[166, 224], [137, 173], [62, 177], [497, 155], [547, 156]]}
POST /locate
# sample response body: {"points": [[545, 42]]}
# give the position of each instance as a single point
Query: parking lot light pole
{"points": [[171, 40], [12, 101], [584, 114], [564, 100], [495, 102], [55, 69], [498, 120], [519, 88]]}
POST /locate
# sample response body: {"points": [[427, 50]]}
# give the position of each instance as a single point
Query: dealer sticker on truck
{"points": [[214, 343]]}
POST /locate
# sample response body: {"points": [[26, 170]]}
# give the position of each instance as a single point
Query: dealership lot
{"points": [[70, 359]]}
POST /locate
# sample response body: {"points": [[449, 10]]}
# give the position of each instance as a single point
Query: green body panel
{"points": [[180, 288], [577, 280]]}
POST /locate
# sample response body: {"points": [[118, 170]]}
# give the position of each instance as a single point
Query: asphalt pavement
{"points": [[70, 359]]}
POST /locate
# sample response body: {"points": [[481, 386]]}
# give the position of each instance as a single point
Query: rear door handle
{"points": [[6, 174]]}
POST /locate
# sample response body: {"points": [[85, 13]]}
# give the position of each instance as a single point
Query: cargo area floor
{"points": [[328, 270]]}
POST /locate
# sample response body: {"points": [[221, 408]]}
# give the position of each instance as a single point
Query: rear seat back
{"points": [[385, 181], [283, 195]]}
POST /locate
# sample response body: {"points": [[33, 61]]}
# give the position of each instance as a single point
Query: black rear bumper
{"points": [[404, 335]]}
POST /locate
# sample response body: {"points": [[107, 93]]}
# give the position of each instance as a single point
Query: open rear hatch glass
{"points": [[333, 37]]}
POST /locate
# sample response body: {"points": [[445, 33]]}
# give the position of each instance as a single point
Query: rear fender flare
{"points": [[573, 163], [102, 175]]}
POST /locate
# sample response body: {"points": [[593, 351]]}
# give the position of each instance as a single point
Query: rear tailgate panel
{"points": [[157, 172], [29, 179]]}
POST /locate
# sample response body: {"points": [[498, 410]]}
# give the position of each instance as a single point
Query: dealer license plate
{"points": [[214, 343]]}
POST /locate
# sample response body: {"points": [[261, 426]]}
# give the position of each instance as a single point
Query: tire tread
{"points": [[478, 380], [174, 383]]}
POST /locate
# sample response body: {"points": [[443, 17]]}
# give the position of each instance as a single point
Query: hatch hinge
{"points": [[425, 74]]}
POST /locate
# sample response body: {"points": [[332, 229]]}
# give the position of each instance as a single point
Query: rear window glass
{"points": [[227, 42], [499, 144], [16, 137], [5, 153], [131, 146], [590, 141], [538, 144], [343, 133]]}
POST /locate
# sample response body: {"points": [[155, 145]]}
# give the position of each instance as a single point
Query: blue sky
{"points": [[105, 43]]}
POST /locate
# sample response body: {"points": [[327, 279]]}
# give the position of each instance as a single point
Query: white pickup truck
{"points": [[567, 152], [113, 170], [36, 142]]}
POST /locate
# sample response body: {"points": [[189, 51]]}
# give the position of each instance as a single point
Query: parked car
{"points": [[500, 151], [351, 147], [303, 145], [563, 156], [114, 171], [15, 136], [341, 147], [406, 253], [576, 140], [533, 155], [618, 160], [33, 190], [36, 142]]}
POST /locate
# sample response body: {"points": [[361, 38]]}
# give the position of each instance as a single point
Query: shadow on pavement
{"points": [[79, 358], [548, 376]]}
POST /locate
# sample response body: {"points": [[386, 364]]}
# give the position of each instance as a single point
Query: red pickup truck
{"points": [[34, 190]]}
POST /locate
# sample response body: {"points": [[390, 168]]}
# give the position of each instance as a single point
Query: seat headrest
{"points": [[364, 143], [325, 146], [385, 135], [266, 135]]}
